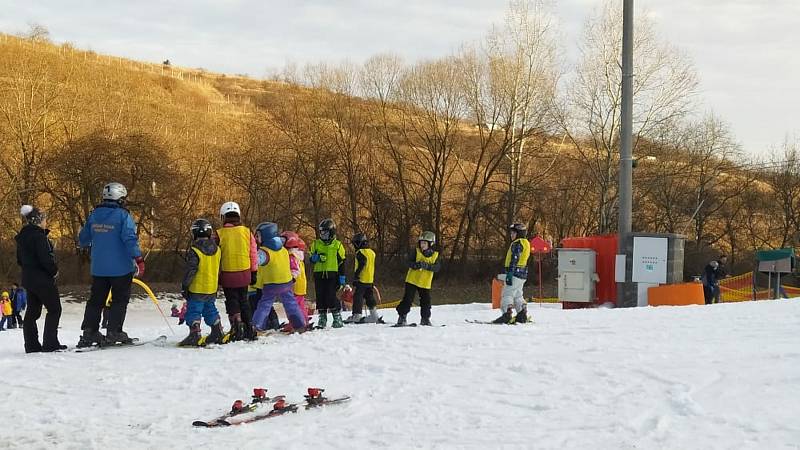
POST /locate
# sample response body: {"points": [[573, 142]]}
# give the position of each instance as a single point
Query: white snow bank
{"points": [[720, 376]]}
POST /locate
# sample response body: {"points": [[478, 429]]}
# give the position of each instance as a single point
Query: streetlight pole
{"points": [[626, 144]]}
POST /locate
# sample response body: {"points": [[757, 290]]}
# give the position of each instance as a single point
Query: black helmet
{"points": [[360, 240], [327, 229], [201, 228], [519, 228]]}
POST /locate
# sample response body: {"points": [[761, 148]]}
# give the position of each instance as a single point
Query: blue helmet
{"points": [[267, 230]]}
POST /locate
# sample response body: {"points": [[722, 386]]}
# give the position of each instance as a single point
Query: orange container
{"points": [[497, 293], [676, 295]]}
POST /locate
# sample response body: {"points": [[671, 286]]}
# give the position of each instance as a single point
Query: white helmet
{"points": [[229, 207], [114, 191]]}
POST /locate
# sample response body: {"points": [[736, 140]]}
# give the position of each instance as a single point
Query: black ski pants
{"points": [[45, 295], [237, 305], [408, 297], [364, 291], [325, 287], [120, 288]]}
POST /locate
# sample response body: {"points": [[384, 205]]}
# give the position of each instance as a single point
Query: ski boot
{"points": [[56, 347], [337, 320], [506, 318], [401, 320], [118, 337], [372, 317], [193, 339], [216, 335], [522, 316], [354, 318], [237, 327], [91, 337], [322, 321], [425, 322]]}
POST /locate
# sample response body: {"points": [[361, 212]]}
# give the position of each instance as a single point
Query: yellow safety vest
{"points": [[421, 277], [523, 257], [300, 283], [235, 245], [277, 269], [367, 274], [206, 280]]}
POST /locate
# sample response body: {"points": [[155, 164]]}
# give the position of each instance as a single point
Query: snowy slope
{"points": [[722, 376]]}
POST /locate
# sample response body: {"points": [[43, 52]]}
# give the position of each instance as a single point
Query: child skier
{"points": [[239, 268], [5, 310], [422, 264], [200, 284], [516, 272], [19, 302], [363, 279], [327, 255], [275, 278], [296, 248]]}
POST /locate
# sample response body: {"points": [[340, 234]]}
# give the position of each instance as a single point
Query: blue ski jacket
{"points": [[111, 234]]}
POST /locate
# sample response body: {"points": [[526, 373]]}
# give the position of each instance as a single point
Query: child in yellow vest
{"points": [[5, 310], [516, 272], [238, 270], [200, 284], [363, 280], [275, 278], [296, 248], [422, 264]]}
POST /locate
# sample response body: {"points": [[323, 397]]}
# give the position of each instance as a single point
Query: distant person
{"points": [[296, 248], [5, 310], [110, 232], [19, 301], [710, 282], [36, 257]]}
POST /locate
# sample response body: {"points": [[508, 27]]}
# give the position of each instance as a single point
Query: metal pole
{"points": [[626, 143]]}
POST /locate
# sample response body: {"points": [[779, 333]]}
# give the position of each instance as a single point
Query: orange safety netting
{"points": [[740, 289]]}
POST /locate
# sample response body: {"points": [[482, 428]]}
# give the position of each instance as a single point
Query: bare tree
{"points": [[663, 86]]}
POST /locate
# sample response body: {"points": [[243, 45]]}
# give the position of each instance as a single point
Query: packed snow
{"points": [[719, 376]]}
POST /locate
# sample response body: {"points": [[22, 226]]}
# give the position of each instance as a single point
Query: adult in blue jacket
{"points": [[111, 234]]}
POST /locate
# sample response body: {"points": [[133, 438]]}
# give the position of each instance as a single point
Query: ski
{"points": [[159, 341], [397, 325], [278, 409], [363, 321], [488, 322], [315, 399], [259, 396]]}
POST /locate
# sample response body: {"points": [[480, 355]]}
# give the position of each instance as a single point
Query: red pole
{"points": [[541, 296]]}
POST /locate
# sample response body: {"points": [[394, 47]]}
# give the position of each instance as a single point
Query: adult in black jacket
{"points": [[39, 270]]}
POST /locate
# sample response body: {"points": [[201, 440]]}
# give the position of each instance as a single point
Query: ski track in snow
{"points": [[722, 376]]}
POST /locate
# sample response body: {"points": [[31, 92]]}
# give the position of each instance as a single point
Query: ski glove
{"points": [[424, 266], [316, 257], [253, 277], [415, 265], [139, 267], [509, 278], [342, 280]]}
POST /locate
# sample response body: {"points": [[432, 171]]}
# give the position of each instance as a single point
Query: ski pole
{"points": [[153, 298]]}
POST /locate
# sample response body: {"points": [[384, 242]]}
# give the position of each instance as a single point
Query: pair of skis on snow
{"points": [[314, 399], [135, 342]]}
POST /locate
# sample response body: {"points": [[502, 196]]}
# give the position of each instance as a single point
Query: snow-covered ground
{"points": [[720, 376]]}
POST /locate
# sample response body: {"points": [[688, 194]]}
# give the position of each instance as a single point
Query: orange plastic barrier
{"points": [[676, 295], [497, 293]]}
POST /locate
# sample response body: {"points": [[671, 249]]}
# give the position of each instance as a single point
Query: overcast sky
{"points": [[747, 52]]}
